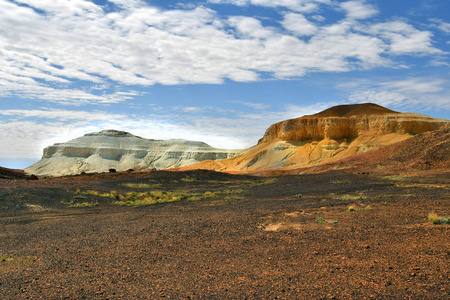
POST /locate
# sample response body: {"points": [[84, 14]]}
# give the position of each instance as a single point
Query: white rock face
{"points": [[112, 149]]}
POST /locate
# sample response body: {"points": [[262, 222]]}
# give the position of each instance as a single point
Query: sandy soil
{"points": [[292, 237]]}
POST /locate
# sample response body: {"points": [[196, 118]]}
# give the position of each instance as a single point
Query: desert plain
{"points": [[342, 234]]}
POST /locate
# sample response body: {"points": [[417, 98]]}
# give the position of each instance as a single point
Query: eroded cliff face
{"points": [[112, 149], [330, 135], [338, 128]]}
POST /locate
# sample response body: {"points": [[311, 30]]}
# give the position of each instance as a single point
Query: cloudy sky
{"points": [[218, 71]]}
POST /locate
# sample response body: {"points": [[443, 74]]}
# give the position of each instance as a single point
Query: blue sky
{"points": [[218, 71]]}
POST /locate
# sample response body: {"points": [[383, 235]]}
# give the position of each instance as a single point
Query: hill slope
{"points": [[112, 149], [12, 174], [327, 136], [426, 151]]}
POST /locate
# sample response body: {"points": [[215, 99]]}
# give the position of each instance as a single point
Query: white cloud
{"points": [[318, 18], [61, 54], [383, 98], [444, 26], [24, 139], [337, 49], [295, 111], [29, 131], [25, 87], [254, 105], [64, 7], [417, 85], [250, 27], [234, 2], [298, 24], [305, 6], [61, 115], [404, 38], [415, 92], [415, 42], [358, 9], [203, 109]]}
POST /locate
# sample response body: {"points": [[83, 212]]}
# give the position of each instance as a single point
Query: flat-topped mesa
{"points": [[327, 136], [110, 132], [349, 122], [120, 150], [349, 110], [111, 144]]}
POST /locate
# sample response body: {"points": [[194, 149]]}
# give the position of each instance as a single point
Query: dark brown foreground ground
{"points": [[289, 238]]}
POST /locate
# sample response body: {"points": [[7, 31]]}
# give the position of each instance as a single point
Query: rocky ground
{"points": [[334, 235]]}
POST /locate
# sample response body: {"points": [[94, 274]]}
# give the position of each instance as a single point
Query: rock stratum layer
{"points": [[330, 135], [119, 150], [348, 122]]}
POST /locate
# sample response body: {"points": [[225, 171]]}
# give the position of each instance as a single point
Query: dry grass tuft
{"points": [[72, 204], [154, 197], [350, 197], [142, 185], [352, 208], [433, 218]]}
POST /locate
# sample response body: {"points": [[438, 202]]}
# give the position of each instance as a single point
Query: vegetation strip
{"points": [[434, 218]]}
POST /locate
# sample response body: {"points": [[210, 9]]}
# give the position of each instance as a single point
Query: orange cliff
{"points": [[327, 136], [350, 122]]}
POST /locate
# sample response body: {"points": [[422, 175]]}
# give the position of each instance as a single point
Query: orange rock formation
{"points": [[327, 136]]}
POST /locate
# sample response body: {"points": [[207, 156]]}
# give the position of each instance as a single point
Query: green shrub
{"points": [[265, 182], [209, 194], [154, 197], [433, 218], [188, 179], [6, 258], [142, 185], [351, 197], [71, 204], [233, 198], [352, 208], [323, 220], [84, 204]]}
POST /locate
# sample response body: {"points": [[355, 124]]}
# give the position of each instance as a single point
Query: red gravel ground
{"points": [[292, 237]]}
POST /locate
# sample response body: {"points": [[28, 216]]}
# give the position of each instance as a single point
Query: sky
{"points": [[217, 71]]}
